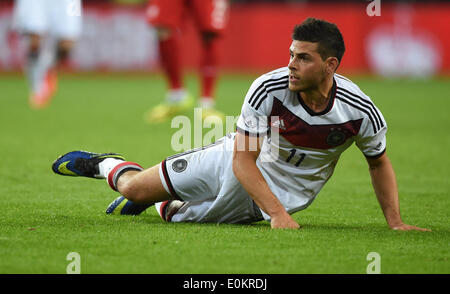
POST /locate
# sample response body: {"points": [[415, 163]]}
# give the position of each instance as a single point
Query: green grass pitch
{"points": [[44, 216]]}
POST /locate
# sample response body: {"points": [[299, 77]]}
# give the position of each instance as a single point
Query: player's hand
{"points": [[284, 221], [405, 227]]}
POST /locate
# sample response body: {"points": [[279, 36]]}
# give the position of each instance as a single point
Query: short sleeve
{"points": [[255, 112], [371, 139]]}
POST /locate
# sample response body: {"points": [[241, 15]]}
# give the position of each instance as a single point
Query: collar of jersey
{"points": [[329, 105]]}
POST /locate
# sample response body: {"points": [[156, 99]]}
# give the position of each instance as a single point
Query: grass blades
{"points": [[44, 216]]}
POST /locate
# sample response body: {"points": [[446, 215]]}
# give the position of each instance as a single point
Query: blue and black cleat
{"points": [[126, 207], [81, 163]]}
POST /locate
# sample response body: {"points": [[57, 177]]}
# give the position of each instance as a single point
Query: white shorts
{"points": [[204, 179], [60, 18]]}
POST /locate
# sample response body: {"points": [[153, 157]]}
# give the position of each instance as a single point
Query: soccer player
{"points": [[37, 20], [168, 17], [295, 123]]}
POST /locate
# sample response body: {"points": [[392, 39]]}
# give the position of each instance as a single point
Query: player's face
{"points": [[306, 67]]}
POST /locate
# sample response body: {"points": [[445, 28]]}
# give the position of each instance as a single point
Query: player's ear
{"points": [[332, 64]]}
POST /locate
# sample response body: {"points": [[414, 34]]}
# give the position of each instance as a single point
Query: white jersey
{"points": [[61, 18], [302, 147]]}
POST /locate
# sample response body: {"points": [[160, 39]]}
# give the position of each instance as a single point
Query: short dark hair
{"points": [[331, 42]]}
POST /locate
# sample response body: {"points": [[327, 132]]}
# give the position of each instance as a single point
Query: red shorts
{"points": [[209, 15]]}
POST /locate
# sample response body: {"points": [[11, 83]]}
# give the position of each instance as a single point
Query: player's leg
{"points": [[58, 61], [165, 16], [201, 180], [208, 73], [63, 20], [238, 208], [170, 58], [204, 181], [63, 51], [30, 19], [211, 18], [141, 188], [66, 17], [32, 61], [44, 76]]}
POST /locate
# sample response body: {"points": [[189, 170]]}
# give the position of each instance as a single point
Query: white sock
{"points": [[37, 70], [175, 96], [207, 102], [107, 165], [31, 68], [113, 169]]}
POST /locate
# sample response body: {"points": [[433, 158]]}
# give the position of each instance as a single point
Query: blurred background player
{"points": [[55, 21], [168, 17]]}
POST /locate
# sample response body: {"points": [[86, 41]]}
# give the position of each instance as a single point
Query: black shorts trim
{"points": [[376, 156], [168, 182]]}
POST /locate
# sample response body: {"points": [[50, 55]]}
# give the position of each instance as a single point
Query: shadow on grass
{"points": [[346, 227], [74, 219], [265, 225]]}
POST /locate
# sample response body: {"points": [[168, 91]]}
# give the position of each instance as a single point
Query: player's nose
{"points": [[292, 65]]}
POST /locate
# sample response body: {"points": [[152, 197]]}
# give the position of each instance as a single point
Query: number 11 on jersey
{"points": [[293, 153]]}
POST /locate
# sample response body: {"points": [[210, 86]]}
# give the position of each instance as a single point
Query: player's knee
{"points": [[132, 191], [128, 190], [62, 54], [34, 46], [63, 50]]}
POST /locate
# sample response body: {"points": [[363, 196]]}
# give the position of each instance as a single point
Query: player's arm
{"points": [[246, 151], [385, 186]]}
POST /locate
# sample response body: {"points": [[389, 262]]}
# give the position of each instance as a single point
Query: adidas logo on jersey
{"points": [[379, 146]]}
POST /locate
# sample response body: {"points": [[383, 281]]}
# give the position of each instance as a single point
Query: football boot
{"points": [[81, 163], [123, 206]]}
